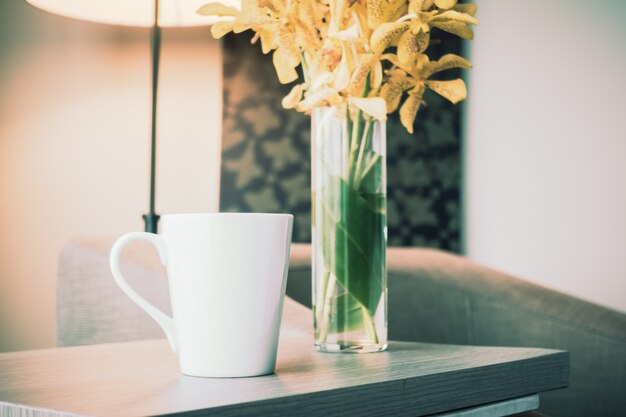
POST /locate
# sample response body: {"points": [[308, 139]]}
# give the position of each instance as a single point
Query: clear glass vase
{"points": [[349, 231]]}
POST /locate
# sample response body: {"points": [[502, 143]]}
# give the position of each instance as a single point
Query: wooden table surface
{"points": [[142, 378]]}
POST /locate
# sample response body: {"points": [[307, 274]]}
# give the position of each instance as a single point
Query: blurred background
{"points": [[74, 145], [526, 176]]}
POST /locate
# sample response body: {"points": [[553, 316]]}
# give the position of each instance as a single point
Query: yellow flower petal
{"points": [[416, 6], [336, 9], [410, 45], [307, 13], [382, 11], [386, 34], [285, 71], [456, 28], [395, 61], [409, 108], [361, 72], [287, 43], [393, 89], [349, 34], [408, 111], [422, 60], [469, 8], [268, 41], [271, 5], [446, 62], [251, 16], [454, 90], [307, 35], [455, 16], [217, 9], [317, 99], [219, 29], [376, 76], [319, 80], [372, 106], [445, 4], [342, 74], [293, 98]]}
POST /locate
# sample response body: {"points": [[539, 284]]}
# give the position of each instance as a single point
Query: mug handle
{"points": [[162, 319]]}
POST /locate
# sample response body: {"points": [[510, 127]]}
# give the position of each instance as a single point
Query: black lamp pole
{"points": [[152, 219]]}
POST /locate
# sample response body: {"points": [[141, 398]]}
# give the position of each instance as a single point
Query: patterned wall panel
{"points": [[266, 155]]}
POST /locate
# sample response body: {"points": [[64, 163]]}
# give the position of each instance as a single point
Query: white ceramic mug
{"points": [[227, 274]]}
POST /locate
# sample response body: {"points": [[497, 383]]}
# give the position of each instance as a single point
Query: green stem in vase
{"points": [[329, 290], [370, 327], [359, 174], [356, 145]]}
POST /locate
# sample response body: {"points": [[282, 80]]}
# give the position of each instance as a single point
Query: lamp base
{"points": [[152, 222]]}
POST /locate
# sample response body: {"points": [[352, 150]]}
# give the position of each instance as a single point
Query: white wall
{"points": [[546, 151], [74, 137]]}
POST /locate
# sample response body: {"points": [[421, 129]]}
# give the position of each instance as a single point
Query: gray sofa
{"points": [[433, 297]]}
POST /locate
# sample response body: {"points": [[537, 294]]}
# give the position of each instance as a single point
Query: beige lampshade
{"points": [[132, 12]]}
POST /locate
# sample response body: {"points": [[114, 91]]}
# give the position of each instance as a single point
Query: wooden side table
{"points": [[143, 379]]}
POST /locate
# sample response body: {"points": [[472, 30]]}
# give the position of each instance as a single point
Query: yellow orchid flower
{"points": [[414, 79], [342, 47], [447, 15]]}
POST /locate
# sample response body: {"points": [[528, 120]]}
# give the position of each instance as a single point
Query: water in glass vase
{"points": [[349, 232]]}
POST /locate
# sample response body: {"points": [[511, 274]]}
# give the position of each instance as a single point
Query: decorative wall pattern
{"points": [[266, 155]]}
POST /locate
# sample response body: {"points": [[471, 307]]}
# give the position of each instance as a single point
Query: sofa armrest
{"points": [[443, 298], [433, 297]]}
